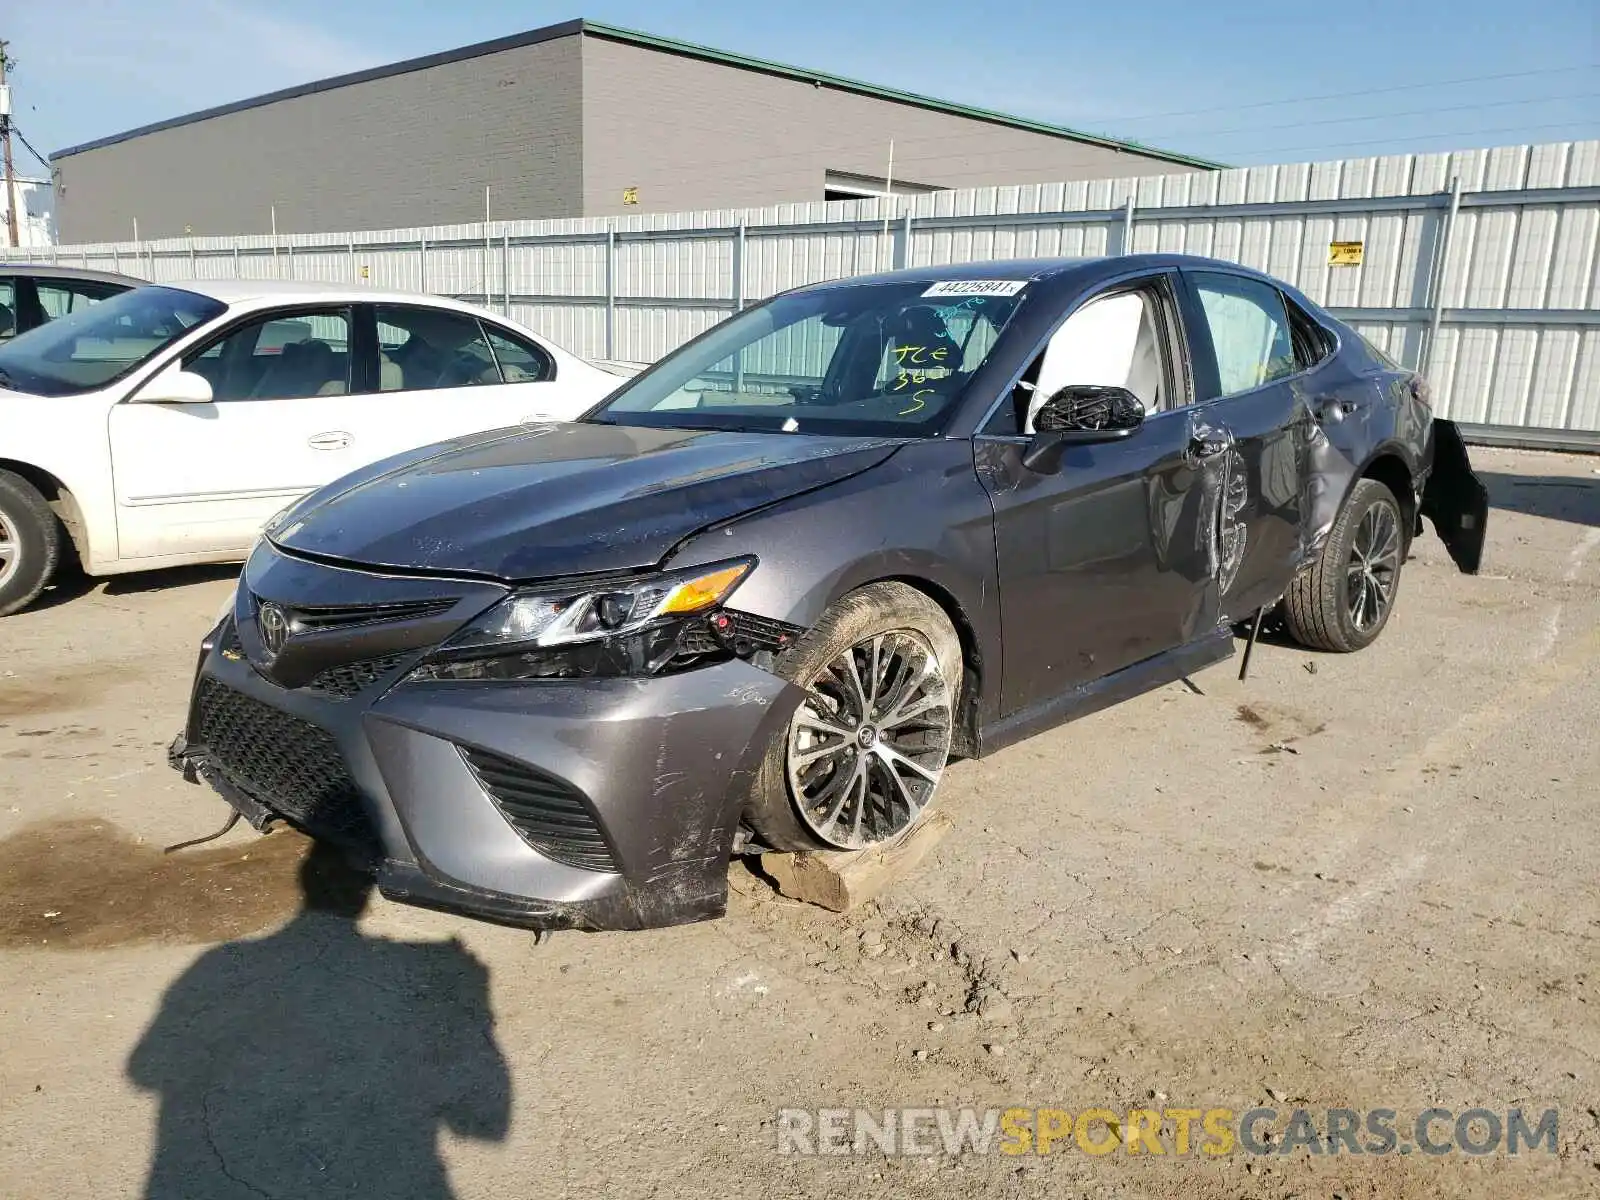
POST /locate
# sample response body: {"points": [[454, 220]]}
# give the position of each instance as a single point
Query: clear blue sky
{"points": [[1193, 77]]}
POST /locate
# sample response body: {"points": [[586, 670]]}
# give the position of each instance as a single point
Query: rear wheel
{"points": [[30, 543], [862, 756], [1343, 602]]}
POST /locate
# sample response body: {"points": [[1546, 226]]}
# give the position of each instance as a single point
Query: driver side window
{"points": [[1117, 339], [284, 356]]}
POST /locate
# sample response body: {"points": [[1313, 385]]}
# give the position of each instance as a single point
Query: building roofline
{"points": [[651, 42], [844, 84]]}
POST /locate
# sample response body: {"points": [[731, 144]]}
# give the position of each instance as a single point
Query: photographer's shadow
{"points": [[317, 1061]]}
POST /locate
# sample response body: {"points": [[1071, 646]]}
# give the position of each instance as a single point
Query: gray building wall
{"points": [[688, 133], [558, 123], [410, 149]]}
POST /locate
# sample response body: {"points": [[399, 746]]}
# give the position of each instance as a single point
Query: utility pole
{"points": [[5, 145]]}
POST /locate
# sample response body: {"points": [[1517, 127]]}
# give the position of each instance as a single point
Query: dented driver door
{"points": [[1105, 559]]}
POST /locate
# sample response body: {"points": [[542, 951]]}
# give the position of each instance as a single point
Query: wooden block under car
{"points": [[841, 880]]}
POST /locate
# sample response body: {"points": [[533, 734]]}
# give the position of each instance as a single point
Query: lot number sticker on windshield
{"points": [[977, 287]]}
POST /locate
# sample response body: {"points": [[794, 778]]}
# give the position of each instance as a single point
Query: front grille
{"points": [[289, 765], [550, 815], [309, 620], [350, 679]]}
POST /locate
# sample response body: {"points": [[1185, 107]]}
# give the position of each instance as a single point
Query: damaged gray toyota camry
{"points": [[759, 598]]}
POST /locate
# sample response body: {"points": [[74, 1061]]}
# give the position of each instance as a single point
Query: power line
{"points": [[913, 167], [1415, 112], [43, 161], [1416, 137], [917, 161], [1399, 87]]}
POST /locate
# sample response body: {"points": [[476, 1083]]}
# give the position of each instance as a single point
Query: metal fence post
{"points": [[505, 274], [1127, 227], [902, 249], [738, 267], [355, 274], [237, 273], [611, 292], [422, 263], [1441, 264]]}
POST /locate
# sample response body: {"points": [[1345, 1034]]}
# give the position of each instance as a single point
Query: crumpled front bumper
{"points": [[425, 782]]}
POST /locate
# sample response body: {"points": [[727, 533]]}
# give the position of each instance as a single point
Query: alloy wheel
{"points": [[10, 549], [868, 745], [1373, 567]]}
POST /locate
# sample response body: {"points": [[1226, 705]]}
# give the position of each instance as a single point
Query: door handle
{"points": [[335, 439]]}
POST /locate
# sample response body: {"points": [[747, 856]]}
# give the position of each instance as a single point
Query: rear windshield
{"points": [[94, 346], [882, 359]]}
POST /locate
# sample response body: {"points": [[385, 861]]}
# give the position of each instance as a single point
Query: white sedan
{"points": [[166, 425]]}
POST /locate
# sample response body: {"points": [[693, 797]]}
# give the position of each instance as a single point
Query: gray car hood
{"points": [[549, 500]]}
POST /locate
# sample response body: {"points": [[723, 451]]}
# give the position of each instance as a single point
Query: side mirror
{"points": [[175, 386], [1079, 415]]}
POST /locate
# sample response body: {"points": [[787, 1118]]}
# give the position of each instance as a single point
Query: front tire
{"points": [[30, 543], [1343, 602], [862, 757]]}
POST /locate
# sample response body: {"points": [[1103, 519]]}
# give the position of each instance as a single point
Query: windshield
{"points": [[92, 347], [880, 359]]}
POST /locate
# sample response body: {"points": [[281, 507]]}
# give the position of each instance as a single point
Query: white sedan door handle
{"points": [[334, 440]]}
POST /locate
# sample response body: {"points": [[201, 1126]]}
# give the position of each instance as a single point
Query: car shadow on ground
{"points": [[1574, 498], [71, 583], [321, 1061]]}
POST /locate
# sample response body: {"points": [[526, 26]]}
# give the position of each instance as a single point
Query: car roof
{"points": [[10, 270], [1034, 269], [293, 291]]}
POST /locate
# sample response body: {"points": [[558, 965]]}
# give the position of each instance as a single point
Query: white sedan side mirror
{"points": [[175, 386]]}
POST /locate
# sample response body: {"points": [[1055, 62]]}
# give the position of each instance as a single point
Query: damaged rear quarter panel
{"points": [[1361, 411]]}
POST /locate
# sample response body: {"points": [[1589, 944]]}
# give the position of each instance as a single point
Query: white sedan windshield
{"points": [[92, 347]]}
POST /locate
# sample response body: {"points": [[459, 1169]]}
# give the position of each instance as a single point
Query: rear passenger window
{"points": [[1249, 331], [519, 361], [421, 349], [1312, 343], [8, 309]]}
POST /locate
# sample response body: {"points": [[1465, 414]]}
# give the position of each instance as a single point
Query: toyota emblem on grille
{"points": [[273, 623]]}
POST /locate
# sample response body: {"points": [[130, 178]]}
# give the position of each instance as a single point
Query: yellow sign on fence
{"points": [[1344, 254], [630, 195]]}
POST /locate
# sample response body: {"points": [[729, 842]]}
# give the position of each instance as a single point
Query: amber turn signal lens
{"points": [[695, 594]]}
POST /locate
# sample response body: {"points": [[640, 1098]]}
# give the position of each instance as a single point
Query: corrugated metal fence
{"points": [[1479, 265]]}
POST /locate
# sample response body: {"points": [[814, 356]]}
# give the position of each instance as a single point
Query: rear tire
{"points": [[30, 543], [856, 766], [1343, 602]]}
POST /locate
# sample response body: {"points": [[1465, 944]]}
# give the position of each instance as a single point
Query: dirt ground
{"points": [[1364, 881]]}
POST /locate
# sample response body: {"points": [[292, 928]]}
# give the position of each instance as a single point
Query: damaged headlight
{"points": [[635, 627]]}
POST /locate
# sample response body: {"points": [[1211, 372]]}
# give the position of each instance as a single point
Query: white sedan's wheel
{"points": [[30, 543]]}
